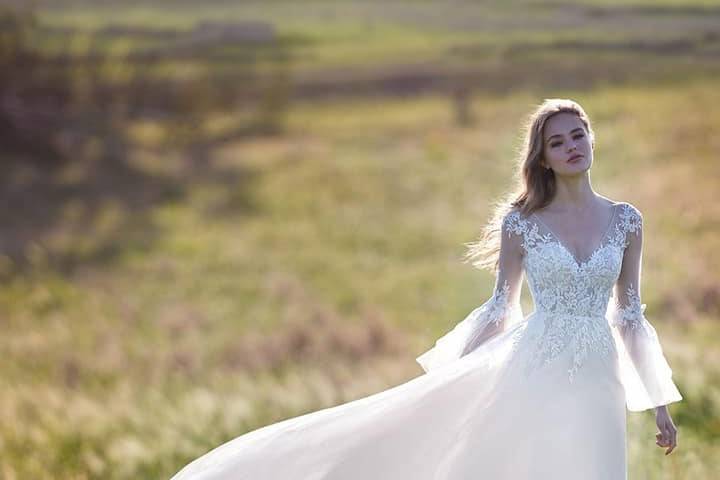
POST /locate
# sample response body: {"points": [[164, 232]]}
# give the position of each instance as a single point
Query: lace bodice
{"points": [[572, 295], [559, 284], [588, 306]]}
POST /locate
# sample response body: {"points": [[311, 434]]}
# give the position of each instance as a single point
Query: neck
{"points": [[574, 193]]}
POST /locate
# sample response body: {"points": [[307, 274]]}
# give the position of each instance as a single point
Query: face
{"points": [[565, 137]]}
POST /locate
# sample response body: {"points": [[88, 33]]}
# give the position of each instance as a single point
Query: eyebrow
{"points": [[571, 131]]}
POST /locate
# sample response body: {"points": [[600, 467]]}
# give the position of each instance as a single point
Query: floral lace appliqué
{"points": [[573, 297], [630, 315], [492, 312], [585, 333]]}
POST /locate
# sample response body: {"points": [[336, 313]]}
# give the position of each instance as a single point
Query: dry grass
{"points": [[193, 295]]}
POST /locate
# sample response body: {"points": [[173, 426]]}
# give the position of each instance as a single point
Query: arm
{"points": [[498, 313], [501, 310], [644, 370]]}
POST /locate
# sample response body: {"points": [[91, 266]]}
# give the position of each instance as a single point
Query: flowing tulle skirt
{"points": [[480, 417]]}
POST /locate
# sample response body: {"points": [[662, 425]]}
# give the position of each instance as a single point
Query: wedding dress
{"points": [[503, 396]]}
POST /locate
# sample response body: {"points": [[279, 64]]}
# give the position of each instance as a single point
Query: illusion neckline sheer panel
{"points": [[563, 244]]}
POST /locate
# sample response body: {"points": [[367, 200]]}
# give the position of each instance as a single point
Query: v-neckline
{"points": [[592, 254]]}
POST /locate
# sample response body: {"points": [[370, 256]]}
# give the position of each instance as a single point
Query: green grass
{"points": [[336, 34], [190, 331], [353, 211]]}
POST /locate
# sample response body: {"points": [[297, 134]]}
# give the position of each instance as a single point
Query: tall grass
{"points": [[297, 271]]}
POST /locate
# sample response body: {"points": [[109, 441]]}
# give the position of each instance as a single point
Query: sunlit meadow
{"points": [[181, 280]]}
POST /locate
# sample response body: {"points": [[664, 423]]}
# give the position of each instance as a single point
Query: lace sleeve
{"points": [[497, 314], [645, 373]]}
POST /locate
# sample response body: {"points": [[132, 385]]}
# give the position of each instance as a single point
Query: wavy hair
{"points": [[535, 186]]}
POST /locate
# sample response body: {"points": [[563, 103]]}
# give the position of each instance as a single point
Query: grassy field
{"points": [[293, 272]]}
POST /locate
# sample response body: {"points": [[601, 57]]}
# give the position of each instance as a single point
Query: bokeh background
{"points": [[217, 215]]}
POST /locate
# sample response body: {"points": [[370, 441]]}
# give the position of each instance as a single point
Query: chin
{"points": [[576, 171], [581, 168]]}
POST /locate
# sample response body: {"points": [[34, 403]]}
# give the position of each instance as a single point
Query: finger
{"points": [[673, 441], [672, 444]]}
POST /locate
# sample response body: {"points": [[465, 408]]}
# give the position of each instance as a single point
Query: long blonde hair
{"points": [[535, 185]]}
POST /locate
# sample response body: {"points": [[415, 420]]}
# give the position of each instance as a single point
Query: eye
{"points": [[555, 144]]}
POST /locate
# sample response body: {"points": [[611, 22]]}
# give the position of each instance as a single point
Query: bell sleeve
{"points": [[496, 315], [644, 371]]}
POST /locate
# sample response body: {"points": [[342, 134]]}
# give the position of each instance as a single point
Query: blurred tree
{"points": [[30, 109], [462, 102], [66, 118]]}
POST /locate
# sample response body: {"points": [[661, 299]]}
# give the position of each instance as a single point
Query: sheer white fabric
{"points": [[503, 396], [645, 372], [497, 314]]}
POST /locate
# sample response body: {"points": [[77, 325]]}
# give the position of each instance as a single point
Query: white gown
{"points": [[504, 397]]}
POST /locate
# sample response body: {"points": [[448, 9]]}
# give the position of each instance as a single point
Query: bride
{"points": [[504, 395]]}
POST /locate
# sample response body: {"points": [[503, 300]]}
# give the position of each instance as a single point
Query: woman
{"points": [[506, 396]]}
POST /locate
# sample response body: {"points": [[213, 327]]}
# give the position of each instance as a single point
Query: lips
{"points": [[574, 157]]}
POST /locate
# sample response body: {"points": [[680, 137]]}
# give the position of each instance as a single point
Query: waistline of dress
{"points": [[551, 313]]}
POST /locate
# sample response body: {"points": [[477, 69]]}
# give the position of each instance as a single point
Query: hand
{"points": [[667, 436], [478, 339]]}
